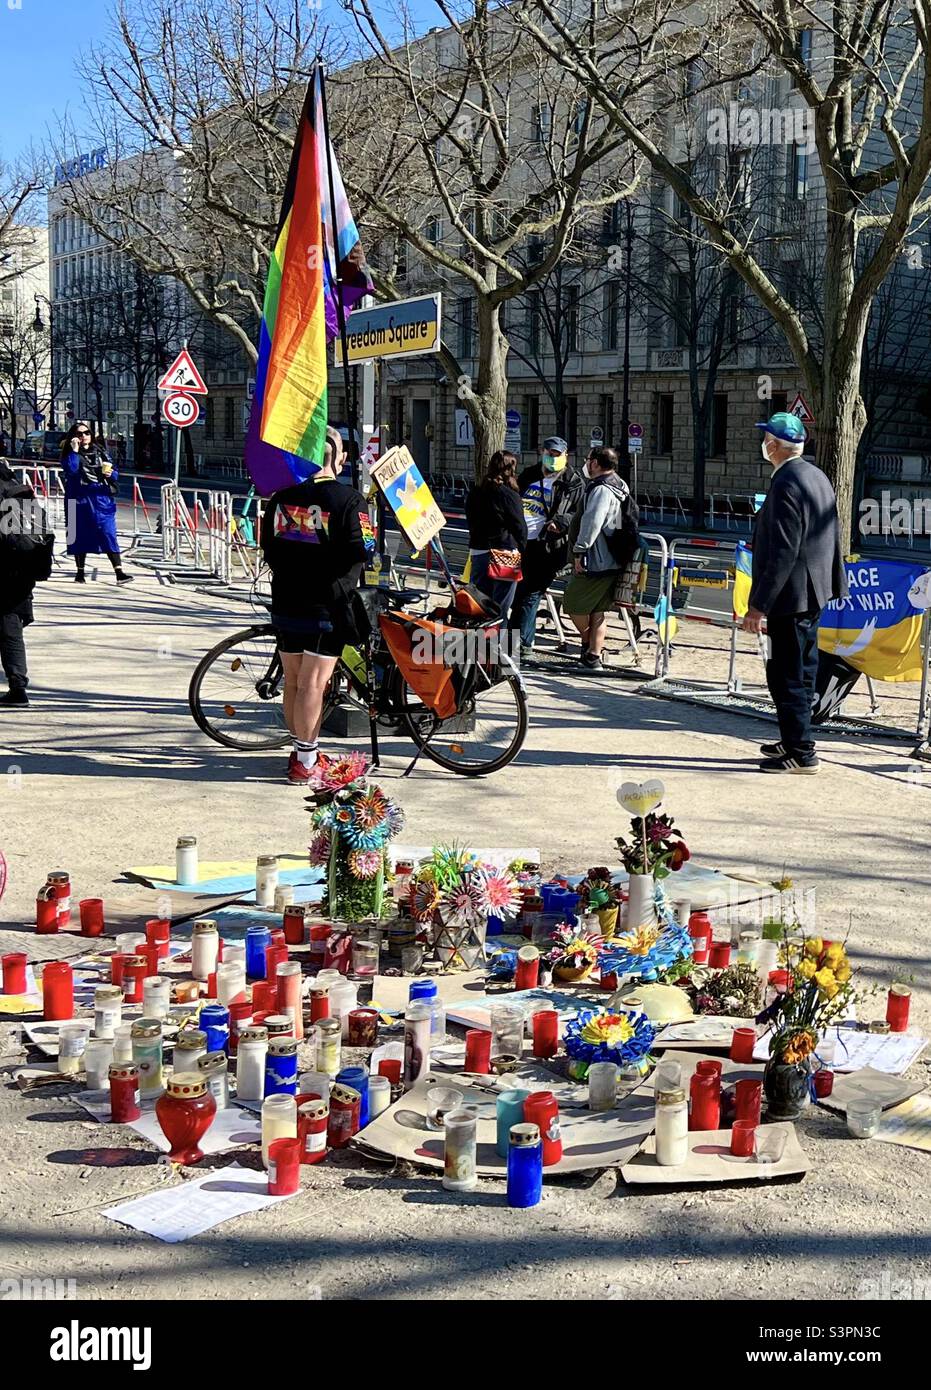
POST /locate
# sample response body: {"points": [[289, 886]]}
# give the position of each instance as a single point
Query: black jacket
{"points": [[798, 565], [568, 487], [15, 586], [496, 518], [316, 537]]}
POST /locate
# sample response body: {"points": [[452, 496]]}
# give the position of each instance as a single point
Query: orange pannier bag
{"points": [[433, 681]]}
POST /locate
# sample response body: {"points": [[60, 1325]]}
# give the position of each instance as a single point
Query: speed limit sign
{"points": [[180, 409]]}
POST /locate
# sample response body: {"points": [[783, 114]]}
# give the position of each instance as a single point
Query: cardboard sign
{"points": [[399, 480]]}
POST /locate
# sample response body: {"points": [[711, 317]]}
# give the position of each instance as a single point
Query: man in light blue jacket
{"points": [[591, 589]]}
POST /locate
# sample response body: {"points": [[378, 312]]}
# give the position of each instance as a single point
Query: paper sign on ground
{"points": [[174, 1214], [908, 1124], [892, 1053], [883, 1089], [710, 1161], [231, 1127]]}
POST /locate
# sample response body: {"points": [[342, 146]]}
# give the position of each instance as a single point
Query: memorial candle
{"points": [[57, 990], [705, 1111]]}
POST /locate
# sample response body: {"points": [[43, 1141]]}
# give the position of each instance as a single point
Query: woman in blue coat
{"points": [[90, 501]]}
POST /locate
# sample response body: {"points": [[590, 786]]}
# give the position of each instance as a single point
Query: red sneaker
{"points": [[297, 773]]}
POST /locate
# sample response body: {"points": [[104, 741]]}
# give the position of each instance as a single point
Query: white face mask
{"points": [[765, 451]]}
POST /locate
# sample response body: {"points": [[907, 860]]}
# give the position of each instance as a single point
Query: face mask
{"points": [[764, 450], [586, 471], [553, 463]]}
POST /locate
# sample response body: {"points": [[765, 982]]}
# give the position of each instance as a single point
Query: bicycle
{"points": [[235, 690]]}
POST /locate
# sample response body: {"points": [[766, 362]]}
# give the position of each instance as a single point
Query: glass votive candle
{"points": [[14, 972], [146, 1035], [628, 1079], [440, 1101], [411, 959], [459, 1159], [379, 1095], [108, 1010], [231, 980], [743, 1137], [279, 1121], [507, 1030], [363, 1027], [602, 1086], [127, 941], [365, 958], [284, 1167], [863, 1117], [234, 953], [826, 1051], [123, 1044], [156, 996], [214, 1068], [823, 1082], [667, 1077], [72, 1040], [98, 1055], [770, 1144], [743, 1041]]}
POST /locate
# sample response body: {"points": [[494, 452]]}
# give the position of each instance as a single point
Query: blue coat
{"points": [[91, 505]]}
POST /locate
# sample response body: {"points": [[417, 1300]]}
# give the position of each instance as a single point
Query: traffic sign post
{"points": [[635, 439], [180, 409], [801, 408], [182, 375]]}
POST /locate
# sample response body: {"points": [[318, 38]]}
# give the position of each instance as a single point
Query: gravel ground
{"points": [[106, 768]]}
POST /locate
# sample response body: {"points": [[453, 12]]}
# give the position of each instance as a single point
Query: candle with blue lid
{"points": [[358, 1079], [215, 1022], [281, 1067], [258, 939]]}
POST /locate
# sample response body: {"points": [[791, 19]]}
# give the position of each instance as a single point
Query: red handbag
{"points": [[504, 564]]}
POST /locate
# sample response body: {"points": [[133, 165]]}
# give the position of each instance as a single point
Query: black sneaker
{"points": [[789, 762], [590, 662], [122, 578], [772, 750], [14, 699], [80, 577]]}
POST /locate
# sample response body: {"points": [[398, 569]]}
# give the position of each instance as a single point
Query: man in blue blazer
{"points": [[798, 567]]}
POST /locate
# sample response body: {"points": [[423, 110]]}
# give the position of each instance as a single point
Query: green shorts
{"points": [[590, 593]]}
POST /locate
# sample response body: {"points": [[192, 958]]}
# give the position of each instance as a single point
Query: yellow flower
{"points": [[826, 982], [640, 942], [834, 955], [842, 972], [807, 969], [814, 946], [798, 1047], [608, 1028]]}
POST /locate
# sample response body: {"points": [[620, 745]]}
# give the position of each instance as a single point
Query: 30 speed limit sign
{"points": [[180, 409]]}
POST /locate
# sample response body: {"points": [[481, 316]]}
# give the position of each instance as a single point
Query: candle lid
{"points": [[59, 876], [528, 953], [190, 1038], [328, 1025], [203, 924], [278, 1023], [212, 1062], [186, 841], [123, 1071], [186, 1085], [107, 994], [879, 1025], [314, 1109], [264, 860], [133, 962], [346, 1095], [282, 1047], [673, 1097], [902, 991], [253, 1035], [524, 1136], [294, 909], [146, 1028], [319, 989]]}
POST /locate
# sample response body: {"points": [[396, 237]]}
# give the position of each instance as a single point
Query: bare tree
{"points": [[860, 73], [19, 185]]}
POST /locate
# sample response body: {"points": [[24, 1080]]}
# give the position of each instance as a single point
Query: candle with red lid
{"points": [[57, 990], [293, 930], [700, 932], [90, 911], [124, 1093], [59, 880], [898, 1001], [705, 1102], [319, 1001], [541, 1109], [743, 1041], [135, 969]]}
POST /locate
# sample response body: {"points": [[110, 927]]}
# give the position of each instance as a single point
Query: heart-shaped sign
{"points": [[639, 798]]}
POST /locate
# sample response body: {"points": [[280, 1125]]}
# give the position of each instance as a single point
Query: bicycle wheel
{"points": [[235, 692], [483, 737]]}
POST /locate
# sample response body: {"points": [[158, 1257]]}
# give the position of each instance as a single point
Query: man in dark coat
{"points": [[798, 567], [551, 491], [16, 588]]}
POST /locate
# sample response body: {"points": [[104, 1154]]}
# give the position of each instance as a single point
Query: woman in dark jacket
{"points": [[497, 530], [90, 501]]}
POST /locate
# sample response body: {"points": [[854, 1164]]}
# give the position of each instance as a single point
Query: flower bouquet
{"points": [[821, 991], [454, 895], [736, 991], [619, 1037], [598, 893], [353, 821], [574, 952], [654, 850], [650, 950]]}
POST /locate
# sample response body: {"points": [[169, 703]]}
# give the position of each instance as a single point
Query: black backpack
{"points": [[25, 552], [624, 541]]}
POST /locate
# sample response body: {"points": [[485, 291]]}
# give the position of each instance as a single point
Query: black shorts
{"points": [[316, 643]]}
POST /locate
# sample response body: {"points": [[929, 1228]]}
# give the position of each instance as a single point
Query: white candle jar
{"points": [[205, 948], [266, 880], [156, 996], [672, 1128], [186, 865], [72, 1040], [147, 1056], [108, 1010], [250, 1063], [231, 981], [98, 1054]]}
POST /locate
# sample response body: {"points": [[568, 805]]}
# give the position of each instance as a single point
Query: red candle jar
{"points": [[276, 937], [545, 1026], [210, 989], [46, 911], [135, 970], [609, 980], [117, 966], [274, 956], [363, 1027], [700, 932], [240, 1017], [284, 1167], [337, 954], [185, 1112], [319, 935], [719, 955], [124, 1094], [743, 1138], [710, 1067], [478, 1051], [898, 1001], [705, 1108], [743, 1041], [264, 996], [151, 955], [527, 974], [294, 918], [781, 981], [343, 1123], [391, 1067], [541, 1109], [748, 1099], [91, 914], [14, 972], [158, 933], [60, 883], [824, 1082], [319, 1001], [57, 990], [312, 1120]]}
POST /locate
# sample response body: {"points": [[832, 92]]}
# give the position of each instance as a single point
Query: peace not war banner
{"points": [[876, 629]]}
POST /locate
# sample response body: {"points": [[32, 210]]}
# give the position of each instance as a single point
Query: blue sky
{"points": [[40, 41]]}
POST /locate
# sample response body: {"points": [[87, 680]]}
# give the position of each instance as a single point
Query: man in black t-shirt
{"points": [[316, 536]]}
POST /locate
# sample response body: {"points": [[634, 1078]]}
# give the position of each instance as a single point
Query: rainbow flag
{"points": [[317, 257]]}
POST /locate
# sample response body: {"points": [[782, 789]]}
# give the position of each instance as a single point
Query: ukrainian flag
{"points": [[877, 628], [743, 574]]}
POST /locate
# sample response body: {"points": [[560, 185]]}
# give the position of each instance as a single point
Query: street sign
{"points": [[512, 439], [465, 435], [404, 328], [800, 408], [597, 437], [180, 409], [634, 439], [182, 375]]}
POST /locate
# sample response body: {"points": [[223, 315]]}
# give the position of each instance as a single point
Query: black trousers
{"points": [[13, 648], [791, 669]]}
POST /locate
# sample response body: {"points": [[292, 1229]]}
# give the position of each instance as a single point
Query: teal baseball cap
{"points": [[785, 426]]}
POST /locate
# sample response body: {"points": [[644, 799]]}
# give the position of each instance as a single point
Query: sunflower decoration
{"points": [[620, 1037], [365, 863], [464, 902], [650, 952], [500, 892], [639, 942], [423, 896]]}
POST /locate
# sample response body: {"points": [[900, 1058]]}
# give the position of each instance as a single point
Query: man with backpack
{"points": [[550, 492], [603, 539], [25, 558]]}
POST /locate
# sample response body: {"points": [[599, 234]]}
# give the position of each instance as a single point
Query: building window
{"points": [[466, 333], [530, 423], [682, 312], [606, 418], [778, 402], [804, 46], [610, 304], [719, 426], [432, 231], [571, 317], [209, 417], [796, 173], [578, 120], [572, 422], [664, 410], [229, 418]]}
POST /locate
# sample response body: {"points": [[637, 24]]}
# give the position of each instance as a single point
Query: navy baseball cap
{"points": [[555, 445], [785, 426]]}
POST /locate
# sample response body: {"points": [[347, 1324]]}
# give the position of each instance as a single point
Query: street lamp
{"points": [[38, 326]]}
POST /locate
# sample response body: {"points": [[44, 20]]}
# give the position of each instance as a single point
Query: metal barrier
{"points": [[48, 486], [197, 529]]}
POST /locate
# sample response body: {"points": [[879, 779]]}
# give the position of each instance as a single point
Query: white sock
{"points": [[306, 753]]}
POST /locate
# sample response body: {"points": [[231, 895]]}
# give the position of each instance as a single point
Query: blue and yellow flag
{"points": [[743, 573], [664, 616], [877, 628]]}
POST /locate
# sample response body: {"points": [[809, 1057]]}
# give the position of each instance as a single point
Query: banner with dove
{"points": [[408, 496], [877, 628]]}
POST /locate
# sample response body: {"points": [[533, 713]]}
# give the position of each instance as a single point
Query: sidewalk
{"points": [[106, 768]]}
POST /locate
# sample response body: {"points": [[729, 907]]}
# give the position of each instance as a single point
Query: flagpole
{"points": [[351, 407]]}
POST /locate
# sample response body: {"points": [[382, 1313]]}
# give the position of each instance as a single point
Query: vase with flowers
{"points": [[820, 992], [598, 893], [574, 952], [654, 849], [353, 821]]}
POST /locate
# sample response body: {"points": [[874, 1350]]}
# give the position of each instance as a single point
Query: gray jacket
{"points": [[596, 519], [798, 565]]}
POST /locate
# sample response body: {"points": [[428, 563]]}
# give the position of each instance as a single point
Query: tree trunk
{"points": [[840, 419], [486, 401]]}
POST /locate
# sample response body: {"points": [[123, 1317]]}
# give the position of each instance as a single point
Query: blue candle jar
{"points": [[281, 1067], [510, 1111], [422, 989], [358, 1079], [257, 941], [525, 1166], [215, 1022]]}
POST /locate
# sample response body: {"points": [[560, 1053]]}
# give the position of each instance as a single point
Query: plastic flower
{"points": [[500, 893], [574, 948], [424, 898], [798, 1047], [639, 942], [395, 818], [622, 1038], [319, 849], [364, 863], [608, 1028], [370, 809], [464, 901], [332, 774], [826, 982]]}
